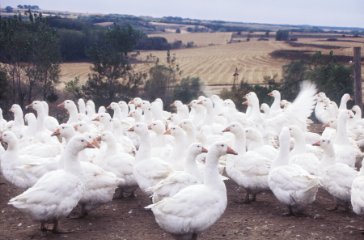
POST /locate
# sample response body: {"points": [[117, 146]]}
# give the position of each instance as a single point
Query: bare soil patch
{"points": [[126, 219]]}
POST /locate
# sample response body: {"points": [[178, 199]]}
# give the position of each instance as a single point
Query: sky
{"points": [[341, 13]]}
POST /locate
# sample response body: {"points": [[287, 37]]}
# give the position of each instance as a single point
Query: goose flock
{"points": [[181, 159]]}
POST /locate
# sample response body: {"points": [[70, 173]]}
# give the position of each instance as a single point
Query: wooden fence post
{"points": [[357, 77]]}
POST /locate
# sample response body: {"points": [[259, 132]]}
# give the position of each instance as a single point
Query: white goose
{"points": [[248, 169], [180, 179], [301, 154], [291, 184], [56, 193], [195, 208], [119, 163], [336, 178], [357, 193], [148, 170]]}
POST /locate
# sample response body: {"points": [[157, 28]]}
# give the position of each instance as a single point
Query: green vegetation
{"points": [[330, 76], [282, 35], [31, 55]]}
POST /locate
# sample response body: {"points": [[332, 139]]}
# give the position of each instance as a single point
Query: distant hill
{"points": [[169, 23]]}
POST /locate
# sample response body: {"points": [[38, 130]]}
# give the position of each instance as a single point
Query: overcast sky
{"points": [[343, 13]]}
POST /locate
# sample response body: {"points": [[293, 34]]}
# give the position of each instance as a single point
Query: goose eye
{"points": [[82, 140], [222, 145], [63, 127]]}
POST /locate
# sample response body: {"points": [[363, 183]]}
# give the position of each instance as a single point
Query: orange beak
{"points": [[90, 145], [231, 151], [270, 94], [245, 103], [204, 150], [96, 142], [29, 106], [168, 132], [316, 143], [108, 107], [226, 129], [96, 119], [61, 105], [56, 133]]}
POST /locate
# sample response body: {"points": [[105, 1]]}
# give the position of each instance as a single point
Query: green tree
{"points": [[112, 78], [282, 35], [30, 51], [188, 89]]}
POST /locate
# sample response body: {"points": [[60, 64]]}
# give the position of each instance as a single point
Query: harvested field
{"points": [[215, 64]]}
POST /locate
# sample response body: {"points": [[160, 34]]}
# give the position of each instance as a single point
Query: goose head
{"points": [[114, 106], [253, 134], [157, 126], [187, 125], [251, 99], [64, 130], [235, 128], [264, 108], [275, 94], [102, 109], [228, 103], [217, 150], [344, 100], [104, 118], [30, 119], [9, 138], [38, 106], [69, 105], [196, 149], [16, 109], [107, 137], [140, 128], [123, 106], [81, 106], [81, 127], [78, 143]]}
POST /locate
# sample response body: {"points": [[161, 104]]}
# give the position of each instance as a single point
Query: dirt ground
{"points": [[126, 219]]}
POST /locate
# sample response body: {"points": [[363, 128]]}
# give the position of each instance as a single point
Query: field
{"points": [[214, 60]]}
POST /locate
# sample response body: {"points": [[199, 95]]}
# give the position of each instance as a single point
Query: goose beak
{"points": [[56, 132], [168, 132], [226, 130], [28, 106], [245, 103], [270, 94], [131, 129], [96, 119], [326, 125], [350, 98], [231, 151], [61, 105], [96, 142], [316, 144], [90, 145], [149, 127], [204, 150], [108, 107]]}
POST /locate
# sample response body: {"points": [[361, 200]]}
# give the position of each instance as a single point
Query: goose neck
{"points": [[283, 156], [70, 162], [144, 150], [190, 165], [212, 176]]}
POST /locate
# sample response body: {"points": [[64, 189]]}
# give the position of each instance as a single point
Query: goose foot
{"points": [[246, 200], [289, 213], [192, 236], [56, 229]]}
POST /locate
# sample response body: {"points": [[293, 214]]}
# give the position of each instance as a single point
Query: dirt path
{"points": [[126, 219]]}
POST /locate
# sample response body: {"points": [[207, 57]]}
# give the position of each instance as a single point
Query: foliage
{"points": [[282, 35], [112, 78], [31, 54], [188, 89]]}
